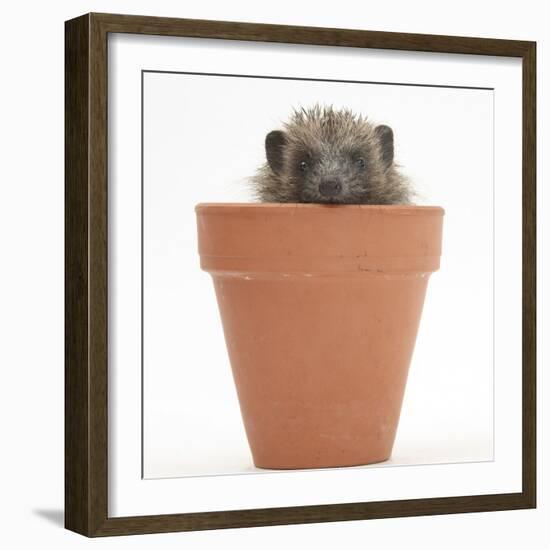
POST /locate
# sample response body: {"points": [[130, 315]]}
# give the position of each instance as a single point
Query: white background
{"points": [[203, 137], [32, 278], [128, 494]]}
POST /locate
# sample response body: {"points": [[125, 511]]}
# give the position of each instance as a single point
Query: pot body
{"points": [[320, 307]]}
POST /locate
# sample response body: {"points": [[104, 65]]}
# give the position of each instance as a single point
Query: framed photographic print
{"points": [[319, 177]]}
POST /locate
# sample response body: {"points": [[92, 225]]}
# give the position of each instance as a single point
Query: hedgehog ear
{"points": [[275, 142], [385, 137]]}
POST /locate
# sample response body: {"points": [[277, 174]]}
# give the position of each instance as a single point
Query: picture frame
{"points": [[87, 436]]}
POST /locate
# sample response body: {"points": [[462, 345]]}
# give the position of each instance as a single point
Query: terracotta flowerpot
{"points": [[320, 307]]}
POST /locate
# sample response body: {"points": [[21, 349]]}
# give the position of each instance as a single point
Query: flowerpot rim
{"points": [[274, 207], [313, 238]]}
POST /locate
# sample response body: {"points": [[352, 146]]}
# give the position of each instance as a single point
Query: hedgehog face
{"points": [[330, 156], [331, 174]]}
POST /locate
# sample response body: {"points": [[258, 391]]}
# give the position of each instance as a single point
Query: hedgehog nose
{"points": [[330, 188]]}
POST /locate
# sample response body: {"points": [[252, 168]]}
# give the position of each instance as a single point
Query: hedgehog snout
{"points": [[330, 188]]}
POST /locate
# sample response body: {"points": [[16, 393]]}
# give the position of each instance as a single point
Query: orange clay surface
{"points": [[320, 307]]}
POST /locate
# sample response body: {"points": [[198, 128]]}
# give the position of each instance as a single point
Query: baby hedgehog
{"points": [[325, 155]]}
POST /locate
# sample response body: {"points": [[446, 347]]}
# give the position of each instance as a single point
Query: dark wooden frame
{"points": [[86, 284]]}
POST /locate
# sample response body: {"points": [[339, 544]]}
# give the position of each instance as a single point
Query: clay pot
{"points": [[320, 307]]}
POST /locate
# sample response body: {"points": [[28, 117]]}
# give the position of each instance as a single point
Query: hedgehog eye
{"points": [[360, 162], [303, 166]]}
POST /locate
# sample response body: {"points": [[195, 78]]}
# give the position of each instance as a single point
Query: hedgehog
{"points": [[327, 155]]}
